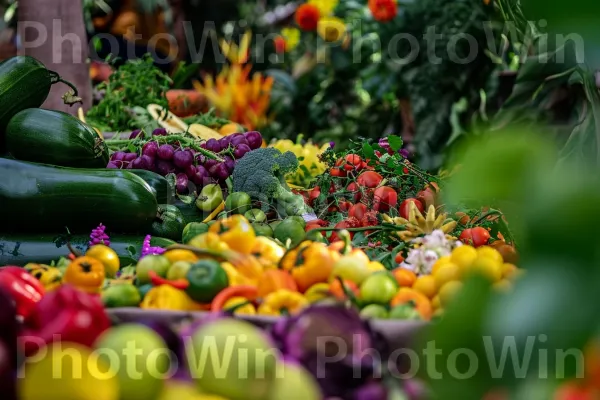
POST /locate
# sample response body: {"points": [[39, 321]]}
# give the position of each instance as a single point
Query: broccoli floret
{"points": [[261, 173]]}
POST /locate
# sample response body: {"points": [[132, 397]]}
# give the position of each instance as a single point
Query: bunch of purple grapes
{"points": [[188, 164]]}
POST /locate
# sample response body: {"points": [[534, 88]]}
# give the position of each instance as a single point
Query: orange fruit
{"points": [[426, 285], [418, 300], [487, 267], [229, 129], [463, 256], [404, 277], [447, 273], [441, 261], [508, 270], [435, 303], [490, 252], [448, 292]]}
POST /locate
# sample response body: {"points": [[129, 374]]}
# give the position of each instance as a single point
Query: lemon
{"points": [[490, 252], [107, 256], [463, 256], [180, 255], [447, 273], [448, 291], [435, 303], [487, 267], [375, 266], [425, 284], [441, 261]]}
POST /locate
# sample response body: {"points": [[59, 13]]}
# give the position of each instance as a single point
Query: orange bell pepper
{"points": [[273, 280], [309, 263]]}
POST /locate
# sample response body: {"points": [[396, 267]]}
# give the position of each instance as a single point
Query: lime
{"points": [[262, 229], [238, 203], [374, 311], [405, 312], [290, 229], [178, 270], [255, 215], [121, 295], [299, 219]]}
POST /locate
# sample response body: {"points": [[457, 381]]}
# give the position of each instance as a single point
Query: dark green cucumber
{"points": [[189, 211], [41, 198], [56, 138], [157, 182], [43, 249], [24, 83]]}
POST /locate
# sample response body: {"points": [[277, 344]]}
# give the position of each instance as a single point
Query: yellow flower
{"points": [[292, 38], [325, 7], [234, 53], [331, 29]]}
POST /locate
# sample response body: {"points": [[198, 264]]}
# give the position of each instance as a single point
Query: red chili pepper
{"points": [[65, 314], [156, 280], [247, 291], [25, 290]]}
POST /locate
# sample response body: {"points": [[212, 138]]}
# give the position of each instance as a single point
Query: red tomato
{"points": [[369, 219], [399, 258], [340, 225], [404, 207], [378, 153], [337, 172], [317, 223], [384, 198], [344, 206], [332, 188], [355, 190], [369, 179], [427, 196], [333, 209], [357, 211], [314, 194], [353, 161], [476, 237]]}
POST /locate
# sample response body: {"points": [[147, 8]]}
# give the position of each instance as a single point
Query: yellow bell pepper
{"points": [[235, 277], [317, 292], [237, 232], [309, 263], [166, 297], [283, 302], [247, 309], [267, 252], [210, 241]]}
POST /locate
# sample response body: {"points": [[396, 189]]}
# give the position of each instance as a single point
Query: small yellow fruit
{"points": [[490, 252], [107, 256], [375, 266], [487, 267], [502, 286], [441, 261], [447, 273], [508, 270], [247, 309], [463, 256], [425, 284], [448, 291], [439, 313], [180, 255], [435, 303]]}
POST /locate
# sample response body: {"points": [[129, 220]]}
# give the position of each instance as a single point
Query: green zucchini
{"points": [[157, 182], [56, 138], [189, 211], [43, 249], [41, 198], [24, 83]]}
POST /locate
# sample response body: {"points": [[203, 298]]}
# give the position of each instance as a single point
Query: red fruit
{"points": [[314, 194], [378, 153], [369, 179], [404, 207], [476, 237], [574, 391], [333, 209], [384, 199], [405, 170], [358, 211], [353, 161], [427, 196], [337, 172], [363, 165], [344, 206], [349, 223], [317, 223], [332, 189], [399, 258], [355, 190]]}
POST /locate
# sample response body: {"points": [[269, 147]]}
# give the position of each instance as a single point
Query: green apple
{"points": [[255, 215], [378, 289], [121, 295], [178, 270], [298, 219], [350, 268], [232, 359], [290, 230], [294, 382], [405, 312], [158, 264], [262, 229], [142, 358], [210, 197], [238, 203], [375, 311], [80, 375]]}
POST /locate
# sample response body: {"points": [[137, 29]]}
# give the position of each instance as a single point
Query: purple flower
{"points": [[383, 142], [148, 250], [404, 153], [332, 144], [99, 236]]}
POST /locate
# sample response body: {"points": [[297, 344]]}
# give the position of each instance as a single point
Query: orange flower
{"points": [[280, 45], [307, 17], [383, 10]]}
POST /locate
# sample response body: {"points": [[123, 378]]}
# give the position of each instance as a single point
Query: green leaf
{"points": [[395, 142], [368, 151]]}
